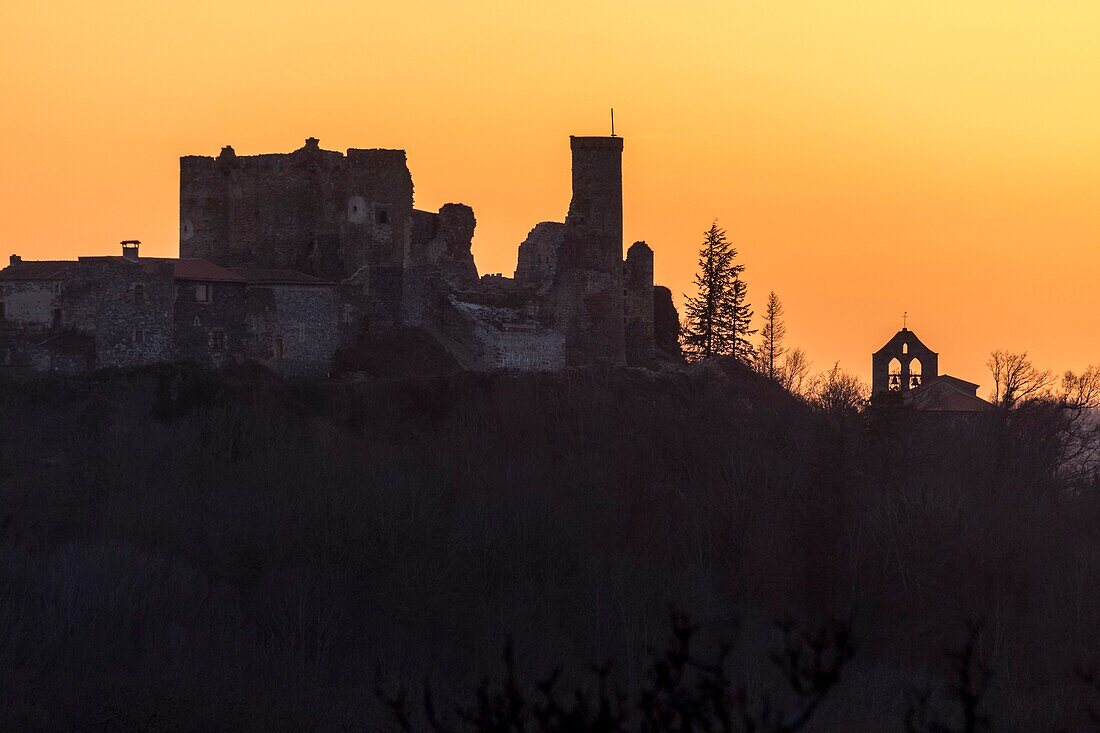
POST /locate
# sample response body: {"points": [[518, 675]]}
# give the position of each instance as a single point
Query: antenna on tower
{"points": [[905, 320], [612, 122]]}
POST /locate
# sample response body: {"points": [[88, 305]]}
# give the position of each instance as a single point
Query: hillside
{"points": [[184, 549]]}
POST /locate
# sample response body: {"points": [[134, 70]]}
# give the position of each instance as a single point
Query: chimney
{"points": [[14, 259], [130, 249]]}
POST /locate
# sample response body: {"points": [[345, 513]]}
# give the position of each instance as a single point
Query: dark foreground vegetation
{"points": [[181, 550]]}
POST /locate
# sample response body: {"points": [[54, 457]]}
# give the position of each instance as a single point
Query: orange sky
{"points": [[867, 158]]}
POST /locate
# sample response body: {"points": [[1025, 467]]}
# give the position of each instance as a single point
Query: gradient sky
{"points": [[867, 158]]}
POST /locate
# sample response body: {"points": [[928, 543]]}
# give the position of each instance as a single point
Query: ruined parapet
{"points": [[666, 324], [587, 290], [638, 304], [538, 254]]}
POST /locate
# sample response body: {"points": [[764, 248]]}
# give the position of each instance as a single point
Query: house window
{"points": [[3, 312], [139, 337], [56, 316], [202, 292], [217, 340], [278, 348], [57, 287], [383, 216], [139, 293]]}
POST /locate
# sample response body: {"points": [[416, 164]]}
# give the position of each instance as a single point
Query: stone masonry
{"points": [[287, 258]]}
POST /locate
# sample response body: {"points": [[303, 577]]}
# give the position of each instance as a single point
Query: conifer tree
{"points": [[718, 317], [771, 339]]}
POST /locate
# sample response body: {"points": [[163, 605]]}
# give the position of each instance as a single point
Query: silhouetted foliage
{"points": [[965, 695], [683, 692], [838, 393], [794, 372]]}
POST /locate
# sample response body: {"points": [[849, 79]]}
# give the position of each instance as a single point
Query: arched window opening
{"points": [[914, 374], [905, 348], [893, 382]]}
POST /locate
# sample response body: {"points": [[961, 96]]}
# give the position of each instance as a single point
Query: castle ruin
{"points": [[286, 259]]}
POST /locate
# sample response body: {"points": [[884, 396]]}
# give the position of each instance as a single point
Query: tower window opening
{"points": [[893, 381], [914, 374], [905, 348], [383, 216]]}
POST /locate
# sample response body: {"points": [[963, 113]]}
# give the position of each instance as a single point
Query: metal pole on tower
{"points": [[612, 122]]}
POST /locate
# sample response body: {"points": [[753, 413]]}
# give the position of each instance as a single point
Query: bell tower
{"points": [[902, 364]]}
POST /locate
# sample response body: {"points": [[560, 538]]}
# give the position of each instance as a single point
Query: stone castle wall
{"points": [[313, 210]]}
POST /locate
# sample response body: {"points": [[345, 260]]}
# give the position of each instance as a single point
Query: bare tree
{"points": [[838, 393], [794, 372], [1080, 391], [771, 338], [1016, 379]]}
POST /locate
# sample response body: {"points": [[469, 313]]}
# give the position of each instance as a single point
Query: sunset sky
{"points": [[867, 158]]}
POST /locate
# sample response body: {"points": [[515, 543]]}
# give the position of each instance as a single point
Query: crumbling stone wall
{"points": [[638, 304], [483, 341], [440, 261], [538, 254], [312, 210], [666, 324], [441, 243]]}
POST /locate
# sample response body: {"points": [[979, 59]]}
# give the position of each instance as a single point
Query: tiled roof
{"points": [[269, 276], [196, 269], [186, 268], [37, 270], [947, 395], [182, 269]]}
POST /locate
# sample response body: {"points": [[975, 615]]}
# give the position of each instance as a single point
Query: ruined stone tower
{"points": [[588, 288], [638, 304]]}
